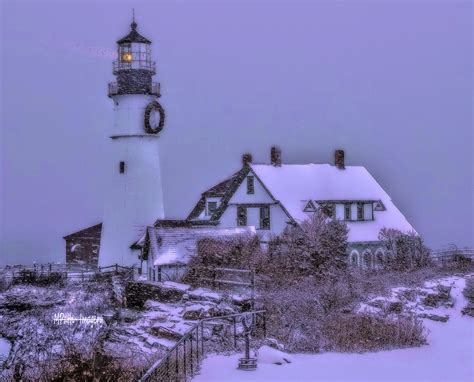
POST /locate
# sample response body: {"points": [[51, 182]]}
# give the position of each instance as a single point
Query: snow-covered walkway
{"points": [[448, 357]]}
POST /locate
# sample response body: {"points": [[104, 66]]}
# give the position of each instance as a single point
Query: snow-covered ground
{"points": [[448, 357]]}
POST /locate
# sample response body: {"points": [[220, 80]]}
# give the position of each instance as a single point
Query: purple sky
{"points": [[388, 81]]}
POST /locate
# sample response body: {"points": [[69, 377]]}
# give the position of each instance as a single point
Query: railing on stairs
{"points": [[215, 334]]}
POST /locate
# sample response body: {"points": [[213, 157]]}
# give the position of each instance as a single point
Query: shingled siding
{"points": [[82, 247]]}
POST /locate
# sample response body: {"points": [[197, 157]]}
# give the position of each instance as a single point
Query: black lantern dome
{"points": [[133, 36], [134, 67]]}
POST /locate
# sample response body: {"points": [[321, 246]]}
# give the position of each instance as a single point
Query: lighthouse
{"points": [[134, 197]]}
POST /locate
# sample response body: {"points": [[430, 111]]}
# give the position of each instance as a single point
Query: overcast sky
{"points": [[388, 81]]}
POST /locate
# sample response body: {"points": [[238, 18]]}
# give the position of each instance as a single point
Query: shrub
{"points": [[238, 252], [404, 252], [318, 247], [468, 291], [364, 332]]}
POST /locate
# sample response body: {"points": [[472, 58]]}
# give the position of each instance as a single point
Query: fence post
{"points": [[49, 268], [184, 358], [252, 283], [177, 366], [264, 325], [159, 273], [202, 339], [235, 332], [116, 268], [191, 359]]}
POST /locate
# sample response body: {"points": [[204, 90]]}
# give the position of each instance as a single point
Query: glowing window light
{"points": [[127, 57]]}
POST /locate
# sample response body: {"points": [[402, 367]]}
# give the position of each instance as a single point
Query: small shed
{"points": [[82, 247]]}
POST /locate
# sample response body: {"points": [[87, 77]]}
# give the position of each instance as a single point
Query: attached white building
{"points": [[168, 246]]}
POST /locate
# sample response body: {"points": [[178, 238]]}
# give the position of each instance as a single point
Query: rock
{"points": [[444, 292], [221, 309], [431, 300], [408, 294], [193, 312], [166, 332], [127, 315], [273, 343], [434, 317], [469, 309], [205, 294], [267, 354], [394, 307], [434, 299], [448, 304], [376, 303]]}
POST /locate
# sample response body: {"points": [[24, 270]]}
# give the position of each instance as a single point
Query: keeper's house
{"points": [[272, 196]]}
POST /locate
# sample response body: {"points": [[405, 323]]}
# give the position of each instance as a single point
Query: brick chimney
{"points": [[339, 159], [246, 159], [275, 156]]}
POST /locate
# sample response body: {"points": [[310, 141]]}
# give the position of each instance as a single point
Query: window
{"points": [[360, 211], [127, 57], [265, 217], [328, 209], [250, 185], [241, 215], [347, 212], [211, 207], [122, 167]]}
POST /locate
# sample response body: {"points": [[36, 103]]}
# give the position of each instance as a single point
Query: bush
{"points": [[364, 332], [404, 252], [238, 252], [316, 248], [468, 291]]}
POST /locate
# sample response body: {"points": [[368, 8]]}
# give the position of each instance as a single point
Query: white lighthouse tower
{"points": [[135, 197]]}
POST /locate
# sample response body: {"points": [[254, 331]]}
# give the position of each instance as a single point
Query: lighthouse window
{"points": [[127, 57], [122, 167]]}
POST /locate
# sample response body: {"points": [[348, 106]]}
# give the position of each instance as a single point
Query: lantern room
{"points": [[134, 52], [134, 67]]}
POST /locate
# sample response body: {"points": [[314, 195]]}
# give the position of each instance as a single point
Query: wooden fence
{"points": [[67, 271], [453, 254]]}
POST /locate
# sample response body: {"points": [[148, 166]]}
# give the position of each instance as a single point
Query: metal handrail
{"points": [[189, 334], [142, 64]]}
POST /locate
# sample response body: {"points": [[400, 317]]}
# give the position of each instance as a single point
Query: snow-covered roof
{"points": [[293, 184], [169, 245]]}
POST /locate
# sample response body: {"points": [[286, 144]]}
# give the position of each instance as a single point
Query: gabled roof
{"points": [[92, 231], [169, 245], [133, 36], [219, 190], [293, 185]]}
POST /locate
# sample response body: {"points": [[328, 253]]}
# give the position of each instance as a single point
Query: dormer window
{"points": [[250, 185]]}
